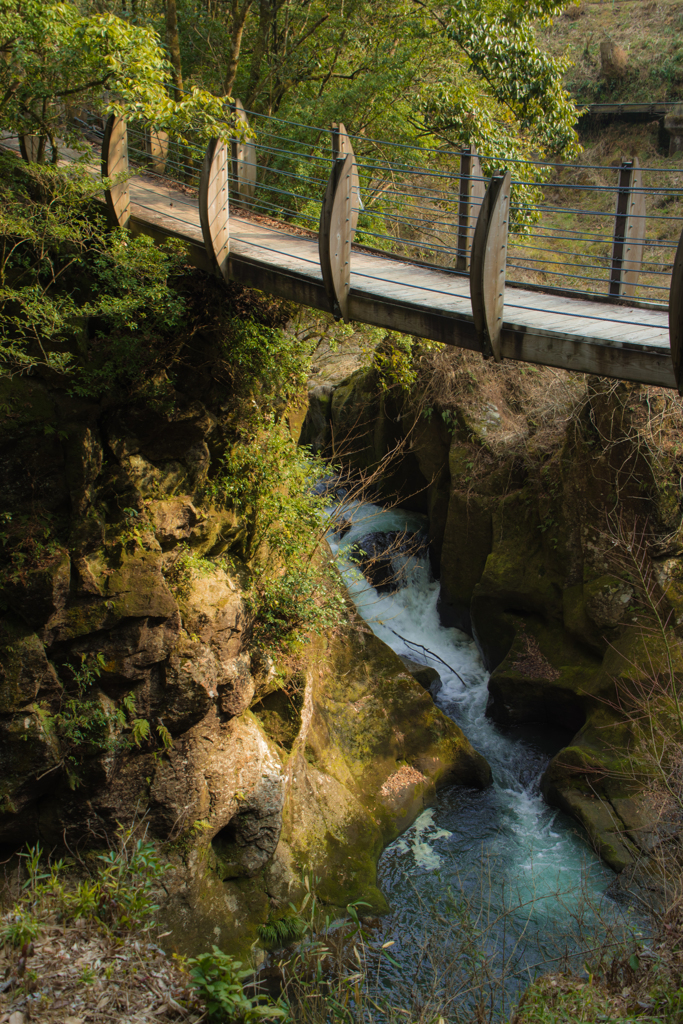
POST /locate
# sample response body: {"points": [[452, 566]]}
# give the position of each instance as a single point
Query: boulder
{"points": [[425, 675]]}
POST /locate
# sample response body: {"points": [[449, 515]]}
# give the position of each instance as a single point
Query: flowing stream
{"points": [[486, 888]]}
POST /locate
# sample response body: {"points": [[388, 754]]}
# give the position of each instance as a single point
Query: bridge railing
{"points": [[601, 231], [585, 230]]}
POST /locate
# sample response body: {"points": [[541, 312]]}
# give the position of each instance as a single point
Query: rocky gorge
{"points": [[554, 528], [133, 693]]}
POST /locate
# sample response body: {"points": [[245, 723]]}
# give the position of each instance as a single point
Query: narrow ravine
{"points": [[497, 871]]}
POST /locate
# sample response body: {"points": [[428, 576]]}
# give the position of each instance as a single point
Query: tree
{"points": [[470, 71], [54, 59]]}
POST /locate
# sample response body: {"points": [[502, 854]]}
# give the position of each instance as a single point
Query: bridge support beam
{"points": [[115, 161], [676, 315], [243, 155], [629, 231], [214, 205], [487, 266], [338, 219], [472, 191]]}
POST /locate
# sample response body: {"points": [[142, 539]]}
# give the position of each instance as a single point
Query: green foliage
{"points": [[54, 55], [218, 980], [28, 543], [397, 357], [264, 359], [88, 723], [281, 931], [90, 303], [187, 565], [119, 895], [270, 482]]}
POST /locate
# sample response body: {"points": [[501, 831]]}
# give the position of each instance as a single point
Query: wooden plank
{"points": [[214, 208], [341, 146], [676, 316], [487, 272], [156, 143], [115, 162]]}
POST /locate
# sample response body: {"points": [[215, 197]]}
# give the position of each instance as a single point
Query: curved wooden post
{"points": [[472, 192], [335, 236], [32, 148], [629, 230], [243, 160], [114, 161], [341, 146], [676, 315], [487, 267], [214, 206]]}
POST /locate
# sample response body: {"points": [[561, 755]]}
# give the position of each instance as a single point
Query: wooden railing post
{"points": [[114, 161], [629, 230], [676, 315], [156, 144], [341, 146], [472, 191], [214, 205], [32, 148], [243, 160], [487, 266], [338, 218]]}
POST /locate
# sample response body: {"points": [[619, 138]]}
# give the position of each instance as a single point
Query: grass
{"points": [[81, 940], [651, 33], [571, 245]]}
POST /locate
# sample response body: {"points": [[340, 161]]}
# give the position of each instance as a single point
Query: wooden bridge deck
{"points": [[610, 339]]}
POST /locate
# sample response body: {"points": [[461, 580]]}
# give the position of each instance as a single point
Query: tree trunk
{"points": [[266, 13], [173, 43], [238, 23]]}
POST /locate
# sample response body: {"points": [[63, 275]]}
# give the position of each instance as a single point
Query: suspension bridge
{"points": [[573, 266]]}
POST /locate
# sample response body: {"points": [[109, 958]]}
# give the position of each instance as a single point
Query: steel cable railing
{"points": [[564, 218]]}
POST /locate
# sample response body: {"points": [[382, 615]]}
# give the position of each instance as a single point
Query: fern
{"points": [[140, 730], [165, 736], [281, 932]]}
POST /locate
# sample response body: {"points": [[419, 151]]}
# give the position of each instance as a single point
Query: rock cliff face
{"points": [[554, 517], [130, 689]]}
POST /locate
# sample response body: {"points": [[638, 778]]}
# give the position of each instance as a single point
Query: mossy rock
{"points": [[516, 578], [467, 543], [24, 668]]}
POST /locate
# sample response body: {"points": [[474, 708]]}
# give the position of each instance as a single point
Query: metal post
{"points": [[115, 161], [472, 191], [676, 315], [487, 269], [214, 206], [629, 230]]}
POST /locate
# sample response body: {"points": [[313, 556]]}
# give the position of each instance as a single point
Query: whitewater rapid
{"points": [[520, 870]]}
